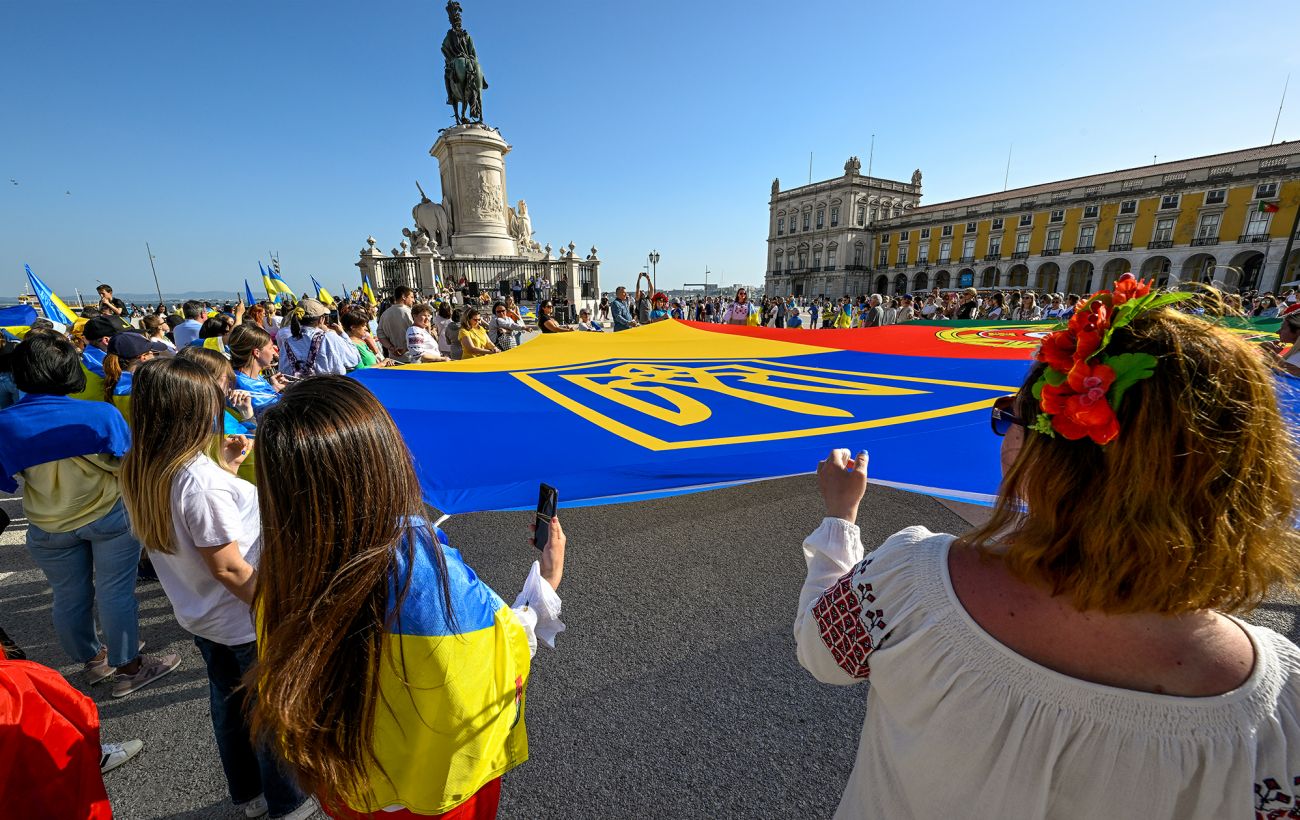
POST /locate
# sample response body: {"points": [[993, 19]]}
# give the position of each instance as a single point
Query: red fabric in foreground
{"points": [[49, 746], [898, 340], [482, 806]]}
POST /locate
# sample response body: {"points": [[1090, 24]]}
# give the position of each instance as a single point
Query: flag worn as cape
{"points": [[39, 429]]}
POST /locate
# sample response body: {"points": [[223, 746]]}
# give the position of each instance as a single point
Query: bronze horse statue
{"points": [[463, 74]]}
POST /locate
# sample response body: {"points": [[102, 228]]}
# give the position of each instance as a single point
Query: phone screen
{"points": [[547, 498]]}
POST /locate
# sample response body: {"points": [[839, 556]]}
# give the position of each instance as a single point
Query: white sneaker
{"points": [[255, 807], [307, 809], [112, 755]]}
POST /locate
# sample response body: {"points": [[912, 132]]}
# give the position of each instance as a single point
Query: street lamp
{"points": [[654, 262]]}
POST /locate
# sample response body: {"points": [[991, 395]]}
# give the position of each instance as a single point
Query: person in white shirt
{"points": [[201, 525], [308, 347], [1028, 309], [420, 344], [1046, 665]]}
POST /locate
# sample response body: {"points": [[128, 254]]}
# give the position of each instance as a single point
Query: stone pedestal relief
{"points": [[471, 163]]}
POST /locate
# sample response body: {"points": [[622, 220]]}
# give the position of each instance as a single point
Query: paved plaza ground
{"points": [[674, 694]]}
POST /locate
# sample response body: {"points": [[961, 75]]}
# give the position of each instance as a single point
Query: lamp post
{"points": [[654, 262]]}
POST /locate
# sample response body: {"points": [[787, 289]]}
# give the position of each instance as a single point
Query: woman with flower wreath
{"points": [[1078, 655]]}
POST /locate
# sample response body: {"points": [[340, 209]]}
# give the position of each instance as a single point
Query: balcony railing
{"points": [[1247, 238], [1020, 255], [815, 269], [943, 260], [1120, 247], [899, 265], [1159, 244], [829, 268], [992, 257], [966, 259], [1051, 252], [1084, 248], [855, 267], [1203, 241]]}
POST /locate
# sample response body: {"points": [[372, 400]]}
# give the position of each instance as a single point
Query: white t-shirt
{"points": [[210, 508], [418, 341], [959, 724]]}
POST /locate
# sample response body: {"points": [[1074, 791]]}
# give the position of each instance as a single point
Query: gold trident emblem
{"points": [[667, 381]]}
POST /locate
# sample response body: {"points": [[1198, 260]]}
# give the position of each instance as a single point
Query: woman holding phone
{"points": [[391, 678]]}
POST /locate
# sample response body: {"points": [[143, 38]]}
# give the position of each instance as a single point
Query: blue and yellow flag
{"points": [[52, 306], [322, 295], [276, 288], [16, 321], [248, 294], [367, 290]]}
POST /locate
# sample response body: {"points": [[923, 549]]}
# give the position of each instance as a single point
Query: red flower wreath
{"points": [[1077, 396]]}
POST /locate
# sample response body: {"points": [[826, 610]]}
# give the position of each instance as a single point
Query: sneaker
{"points": [[112, 755], [151, 669], [97, 668], [307, 809], [255, 807]]}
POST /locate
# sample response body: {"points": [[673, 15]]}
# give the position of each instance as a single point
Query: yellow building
{"points": [[1222, 218]]}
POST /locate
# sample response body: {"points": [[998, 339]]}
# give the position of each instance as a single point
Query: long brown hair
{"points": [[174, 407], [1193, 505], [243, 340], [345, 498]]}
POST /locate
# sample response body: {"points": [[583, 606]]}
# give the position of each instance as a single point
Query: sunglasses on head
{"points": [[1003, 415]]}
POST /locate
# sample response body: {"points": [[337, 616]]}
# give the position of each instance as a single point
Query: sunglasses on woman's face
{"points": [[1003, 416]]}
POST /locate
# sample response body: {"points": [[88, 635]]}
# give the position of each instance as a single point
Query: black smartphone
{"points": [[547, 498]]}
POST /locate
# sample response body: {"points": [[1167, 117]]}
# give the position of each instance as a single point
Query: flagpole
{"points": [[155, 272], [1286, 254]]}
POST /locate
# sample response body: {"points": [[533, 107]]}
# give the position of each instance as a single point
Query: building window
{"points": [[884, 239], [1257, 225], [807, 220], [821, 218], [817, 257], [923, 254], [1265, 190], [1086, 235], [862, 212], [835, 216], [1026, 220], [1057, 216], [1215, 197], [1053, 240], [947, 230], [803, 259], [1124, 233], [945, 250], [1165, 229], [997, 224], [1128, 206], [857, 254], [995, 245], [968, 248], [1168, 201], [1022, 243], [780, 226], [830, 259], [1090, 211], [925, 233], [897, 212], [884, 257], [902, 254], [1209, 227], [970, 227], [904, 235]]}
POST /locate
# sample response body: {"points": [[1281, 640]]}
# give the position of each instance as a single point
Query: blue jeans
{"points": [[250, 770], [92, 565]]}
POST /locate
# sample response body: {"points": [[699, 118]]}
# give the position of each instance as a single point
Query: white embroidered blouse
{"points": [[958, 725]]}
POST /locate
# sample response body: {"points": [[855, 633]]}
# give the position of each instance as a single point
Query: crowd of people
{"points": [[357, 664]]}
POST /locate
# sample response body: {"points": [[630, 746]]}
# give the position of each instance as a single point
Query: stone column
{"points": [[425, 261], [368, 263], [471, 162]]}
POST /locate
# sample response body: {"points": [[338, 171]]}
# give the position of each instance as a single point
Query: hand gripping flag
{"points": [[52, 306]]}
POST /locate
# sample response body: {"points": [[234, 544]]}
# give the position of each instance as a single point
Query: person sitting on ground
{"points": [[1097, 655], [546, 322], [502, 329], [68, 453], [390, 676], [308, 348], [585, 322], [473, 336], [252, 354], [126, 351], [357, 325], [420, 344], [202, 528]]}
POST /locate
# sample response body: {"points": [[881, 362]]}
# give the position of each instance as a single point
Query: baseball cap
{"points": [[99, 327], [312, 308], [132, 345]]}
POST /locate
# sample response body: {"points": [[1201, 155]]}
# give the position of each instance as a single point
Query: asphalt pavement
{"points": [[675, 692]]}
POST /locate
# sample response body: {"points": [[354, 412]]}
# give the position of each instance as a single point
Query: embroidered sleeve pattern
{"points": [[1273, 802], [847, 620]]}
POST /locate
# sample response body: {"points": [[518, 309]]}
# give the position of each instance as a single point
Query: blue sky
{"points": [[220, 131]]}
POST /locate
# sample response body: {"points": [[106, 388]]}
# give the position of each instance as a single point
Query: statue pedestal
{"points": [[471, 162]]}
